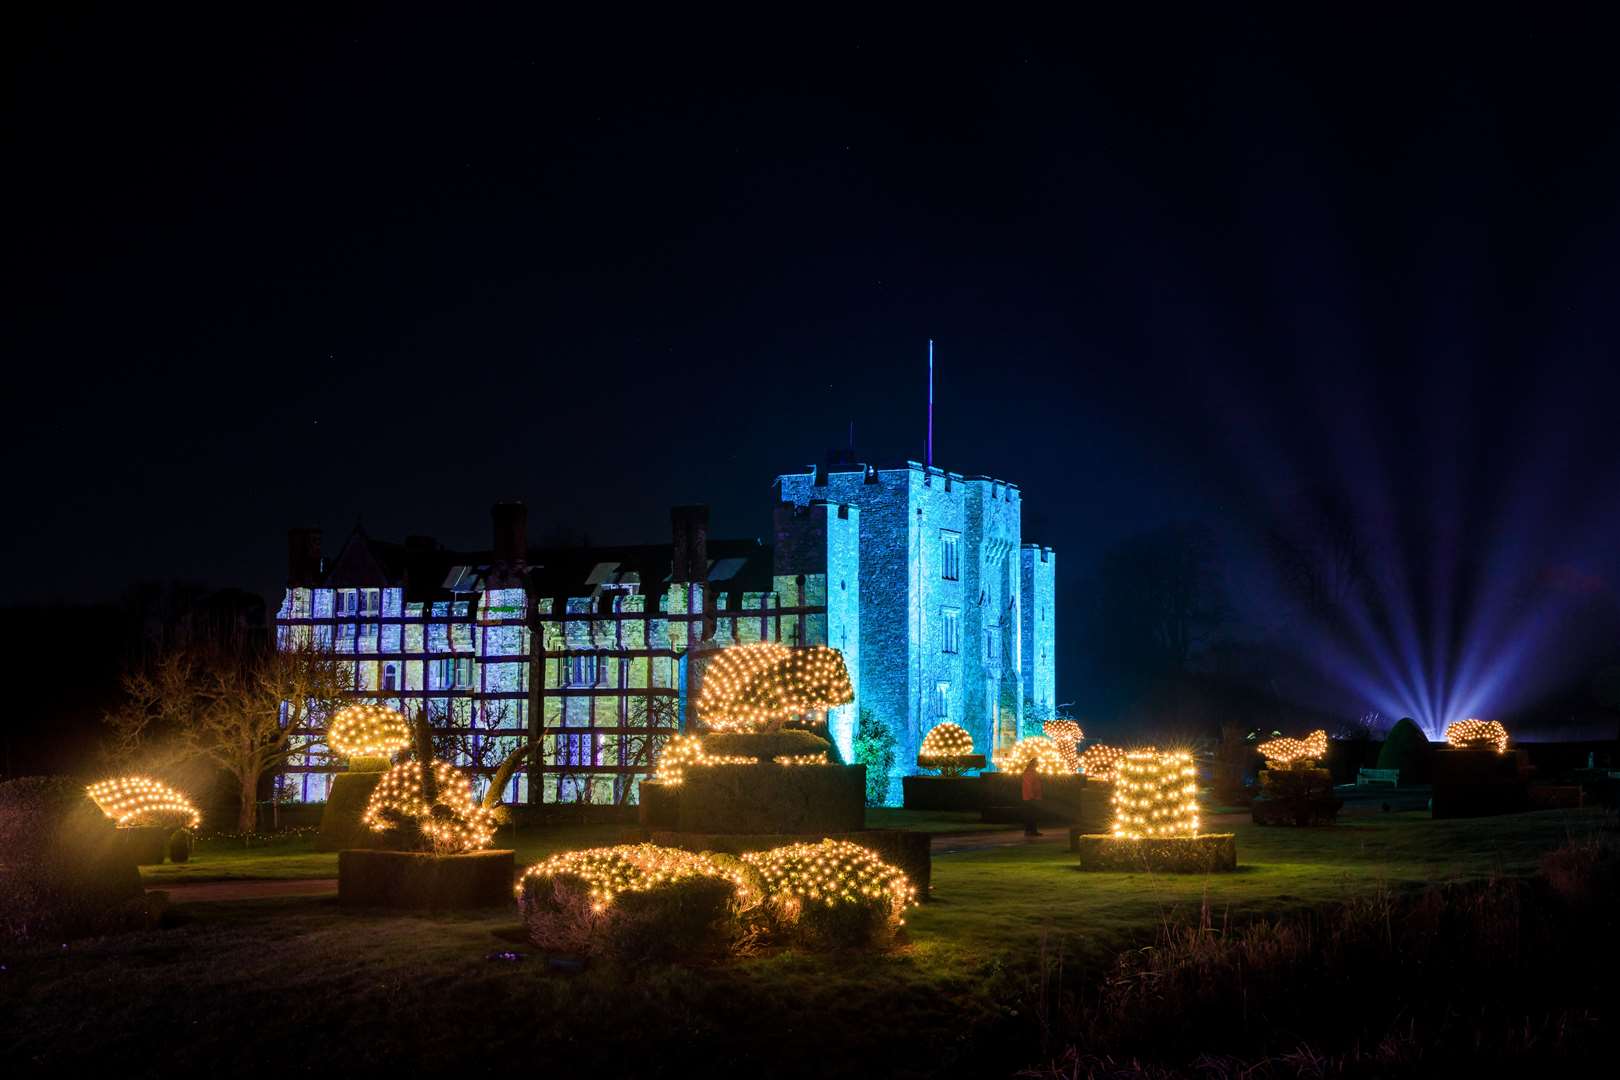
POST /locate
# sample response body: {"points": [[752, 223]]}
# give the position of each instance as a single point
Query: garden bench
{"points": [[1366, 777]]}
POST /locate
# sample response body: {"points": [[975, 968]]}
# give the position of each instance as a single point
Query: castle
{"points": [[917, 575]]}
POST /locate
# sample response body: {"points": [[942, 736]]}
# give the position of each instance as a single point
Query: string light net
{"points": [[946, 747], [454, 821], [759, 686], [1037, 748], [1155, 795], [1099, 761], [1475, 734], [1281, 753], [830, 874], [367, 731], [1068, 736], [140, 800], [683, 752], [609, 871]]}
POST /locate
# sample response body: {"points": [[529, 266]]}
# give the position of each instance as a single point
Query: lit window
{"points": [[576, 750], [345, 601], [952, 637], [370, 601], [390, 677], [582, 669], [942, 701], [951, 560], [992, 646]]}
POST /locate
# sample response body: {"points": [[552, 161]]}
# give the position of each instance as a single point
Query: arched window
{"points": [[390, 677]]}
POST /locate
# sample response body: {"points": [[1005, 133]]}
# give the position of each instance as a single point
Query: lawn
{"points": [[299, 983]]}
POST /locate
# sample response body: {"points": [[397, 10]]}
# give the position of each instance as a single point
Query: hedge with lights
{"points": [[1068, 737], [142, 801], [948, 748], [835, 894], [636, 902], [66, 872], [1203, 854], [778, 797], [368, 735], [1155, 796], [1295, 796], [907, 850], [760, 686], [1099, 761], [448, 819], [1037, 748], [1475, 734], [1295, 753]]}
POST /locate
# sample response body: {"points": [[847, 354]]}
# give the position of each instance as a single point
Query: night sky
{"points": [[265, 270]]}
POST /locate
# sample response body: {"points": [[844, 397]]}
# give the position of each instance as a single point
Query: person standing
{"points": [[1032, 797]]}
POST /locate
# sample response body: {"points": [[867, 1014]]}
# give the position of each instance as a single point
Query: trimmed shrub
{"points": [[420, 879], [832, 895], [1406, 748], [64, 871], [635, 903], [1296, 797], [1208, 853], [875, 749], [789, 742], [906, 850], [819, 799], [346, 802], [180, 846]]}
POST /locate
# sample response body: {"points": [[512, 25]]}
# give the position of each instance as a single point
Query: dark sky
{"points": [[266, 269]]}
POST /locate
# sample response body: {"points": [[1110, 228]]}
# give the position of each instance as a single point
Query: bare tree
{"points": [[245, 708]]}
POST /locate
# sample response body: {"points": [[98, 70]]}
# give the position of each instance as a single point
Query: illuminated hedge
{"points": [[835, 893], [453, 820], [1037, 748], [1474, 734], [947, 747], [683, 752], [1099, 761], [759, 686], [1295, 753], [367, 731], [1068, 737], [635, 901], [1155, 796], [140, 800]]}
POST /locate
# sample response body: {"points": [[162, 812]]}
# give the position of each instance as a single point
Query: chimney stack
{"points": [[303, 556], [690, 527], [510, 547]]}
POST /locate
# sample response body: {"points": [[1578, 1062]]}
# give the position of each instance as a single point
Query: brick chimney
{"points": [[690, 528], [303, 556], [510, 543]]}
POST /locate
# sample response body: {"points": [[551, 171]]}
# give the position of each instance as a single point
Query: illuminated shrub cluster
{"points": [[832, 894], [140, 800], [685, 752], [640, 901], [1155, 796], [1474, 734], [1068, 737], [1100, 761], [1037, 748], [452, 820], [1297, 753], [367, 731], [947, 747], [759, 686], [636, 902]]}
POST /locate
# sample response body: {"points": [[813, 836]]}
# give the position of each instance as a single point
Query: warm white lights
{"points": [[1039, 749], [828, 874], [366, 730], [1474, 734], [757, 687], [1155, 795], [1068, 737], [1281, 753], [946, 747], [453, 821], [1100, 760], [610, 871], [140, 800]]}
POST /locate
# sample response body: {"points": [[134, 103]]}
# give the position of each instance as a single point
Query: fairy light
{"points": [[946, 747], [686, 752], [758, 686], [1155, 795], [1474, 734], [828, 874], [1282, 753], [1037, 748], [609, 871], [1099, 761], [455, 820], [140, 800], [1068, 737], [367, 730]]}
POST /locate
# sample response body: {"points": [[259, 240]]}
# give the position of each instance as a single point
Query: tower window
{"points": [[942, 701], [951, 556], [952, 638]]}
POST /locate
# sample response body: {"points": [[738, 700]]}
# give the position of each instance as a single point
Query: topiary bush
{"points": [[64, 871], [831, 895], [1406, 748], [180, 846], [636, 903], [875, 748]]}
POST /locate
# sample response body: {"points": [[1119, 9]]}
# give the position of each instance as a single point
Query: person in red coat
{"points": [[1032, 797]]}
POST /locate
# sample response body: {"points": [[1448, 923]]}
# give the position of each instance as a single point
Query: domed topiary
{"points": [[1406, 748], [180, 846]]}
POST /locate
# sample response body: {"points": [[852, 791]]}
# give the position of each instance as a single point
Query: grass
{"points": [[289, 980]]}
